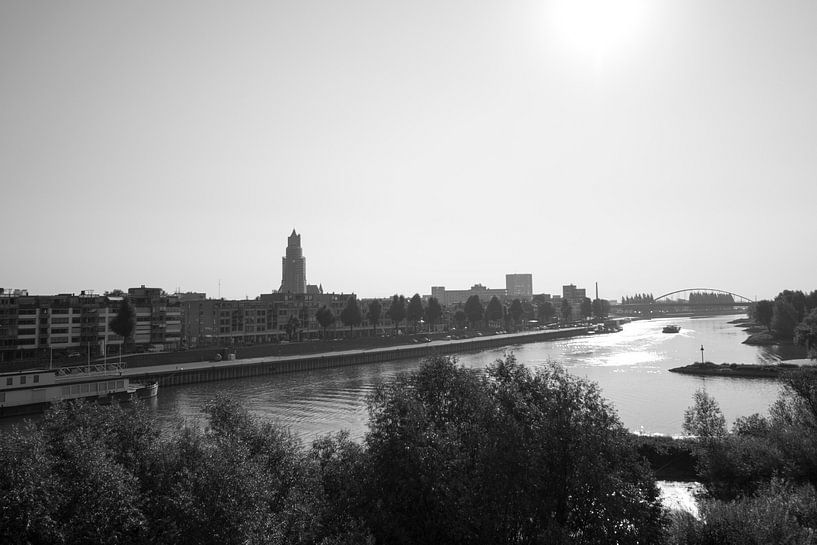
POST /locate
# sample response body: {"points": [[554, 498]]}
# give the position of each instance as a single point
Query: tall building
{"points": [[519, 285], [293, 275], [574, 296]]}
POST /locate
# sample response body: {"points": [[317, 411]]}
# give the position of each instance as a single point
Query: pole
{"points": [[702, 354], [50, 357]]}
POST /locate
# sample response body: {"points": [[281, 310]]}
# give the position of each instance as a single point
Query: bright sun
{"points": [[597, 29]]}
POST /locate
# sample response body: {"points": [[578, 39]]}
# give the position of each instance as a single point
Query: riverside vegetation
{"points": [[451, 456]]}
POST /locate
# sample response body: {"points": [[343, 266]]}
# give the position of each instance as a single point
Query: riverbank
{"points": [[192, 372]]}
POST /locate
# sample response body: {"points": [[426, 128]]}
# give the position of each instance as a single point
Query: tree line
{"points": [[790, 316], [451, 455], [637, 299], [473, 312]]}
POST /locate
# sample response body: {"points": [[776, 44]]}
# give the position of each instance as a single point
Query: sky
{"points": [[645, 145]]}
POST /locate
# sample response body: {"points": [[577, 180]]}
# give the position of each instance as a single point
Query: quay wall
{"points": [[235, 369]]}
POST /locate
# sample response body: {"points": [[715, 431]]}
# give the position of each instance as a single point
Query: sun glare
{"points": [[597, 29]]}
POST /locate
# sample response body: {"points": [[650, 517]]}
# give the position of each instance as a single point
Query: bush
{"points": [[778, 513]]}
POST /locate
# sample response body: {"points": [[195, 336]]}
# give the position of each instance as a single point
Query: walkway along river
{"points": [[631, 368]]}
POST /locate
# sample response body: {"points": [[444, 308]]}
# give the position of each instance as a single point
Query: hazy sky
{"points": [[646, 145]]}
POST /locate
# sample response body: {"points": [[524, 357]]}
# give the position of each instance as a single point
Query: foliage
{"points": [[374, 313], [704, 419], [397, 310], [778, 513], [494, 310], [460, 318], [784, 318], [546, 312], [325, 317], [805, 333], [637, 299], [763, 313], [566, 310], [292, 326], [124, 323], [707, 297], [414, 311], [510, 456], [433, 312], [351, 315], [784, 444], [516, 311], [473, 310]]}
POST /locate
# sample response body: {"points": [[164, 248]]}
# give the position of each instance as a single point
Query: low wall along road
{"points": [[190, 373]]}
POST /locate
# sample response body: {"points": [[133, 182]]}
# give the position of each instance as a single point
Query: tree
{"points": [[397, 310], [784, 319], [460, 318], [325, 318], [516, 311], [351, 315], [414, 311], [805, 334], [474, 311], [433, 312], [586, 308], [528, 312], [374, 312], [704, 419], [493, 312], [567, 311], [797, 299], [456, 456], [764, 312], [124, 323], [292, 326], [546, 312]]}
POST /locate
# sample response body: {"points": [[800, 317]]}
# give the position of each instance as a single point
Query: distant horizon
{"points": [[645, 145]]}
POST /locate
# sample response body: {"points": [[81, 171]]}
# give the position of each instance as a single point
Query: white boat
{"points": [[32, 391]]}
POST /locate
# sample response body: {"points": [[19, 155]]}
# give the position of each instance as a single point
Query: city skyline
{"points": [[646, 146]]}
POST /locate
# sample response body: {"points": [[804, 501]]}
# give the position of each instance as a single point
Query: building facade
{"points": [[519, 286], [458, 297], [69, 325], [293, 266], [574, 296]]}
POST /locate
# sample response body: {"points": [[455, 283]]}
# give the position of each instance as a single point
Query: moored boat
{"points": [[671, 329], [32, 391]]}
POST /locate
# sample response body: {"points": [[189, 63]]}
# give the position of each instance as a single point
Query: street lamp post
{"points": [[702, 354]]}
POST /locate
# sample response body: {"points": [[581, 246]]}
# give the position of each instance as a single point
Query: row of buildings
{"points": [[70, 324], [79, 325]]}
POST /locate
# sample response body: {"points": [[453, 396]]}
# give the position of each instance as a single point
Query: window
{"points": [[23, 379], [9, 381], [36, 379]]}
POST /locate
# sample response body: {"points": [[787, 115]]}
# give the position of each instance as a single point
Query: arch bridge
{"points": [[743, 300], [710, 301]]}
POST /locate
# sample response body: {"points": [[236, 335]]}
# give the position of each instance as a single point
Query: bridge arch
{"points": [[708, 290]]}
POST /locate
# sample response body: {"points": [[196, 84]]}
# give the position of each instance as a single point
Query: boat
{"points": [[33, 391], [671, 329]]}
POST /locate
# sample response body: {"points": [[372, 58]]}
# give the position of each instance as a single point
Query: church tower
{"points": [[293, 275]]}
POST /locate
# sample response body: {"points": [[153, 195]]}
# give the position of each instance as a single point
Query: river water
{"points": [[630, 367]]}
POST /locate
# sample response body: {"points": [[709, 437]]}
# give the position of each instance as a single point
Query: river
{"points": [[630, 367]]}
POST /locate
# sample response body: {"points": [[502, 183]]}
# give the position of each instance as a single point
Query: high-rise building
{"points": [[293, 275], [519, 285]]}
